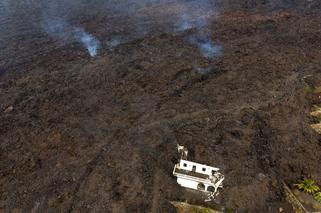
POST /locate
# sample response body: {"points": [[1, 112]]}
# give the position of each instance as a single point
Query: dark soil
{"points": [[99, 134]]}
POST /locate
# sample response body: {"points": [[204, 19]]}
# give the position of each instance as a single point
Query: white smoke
{"points": [[89, 41], [114, 42], [197, 15], [128, 19], [206, 45], [185, 22], [60, 29]]}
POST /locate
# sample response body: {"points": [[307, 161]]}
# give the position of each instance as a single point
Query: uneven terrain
{"points": [[99, 134]]}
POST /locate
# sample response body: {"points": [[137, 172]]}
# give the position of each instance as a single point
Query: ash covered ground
{"points": [[95, 96]]}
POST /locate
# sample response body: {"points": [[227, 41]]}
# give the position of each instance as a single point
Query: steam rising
{"points": [[185, 22], [209, 49], [89, 41], [114, 42], [65, 32], [197, 15], [206, 46], [69, 21]]}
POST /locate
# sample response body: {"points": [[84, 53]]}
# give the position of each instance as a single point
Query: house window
{"points": [[210, 189], [185, 165], [200, 186], [204, 169]]}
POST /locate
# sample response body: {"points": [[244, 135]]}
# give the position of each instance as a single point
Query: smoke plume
{"points": [[67, 21]]}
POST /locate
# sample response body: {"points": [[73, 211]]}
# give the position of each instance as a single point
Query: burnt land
{"points": [[99, 134]]}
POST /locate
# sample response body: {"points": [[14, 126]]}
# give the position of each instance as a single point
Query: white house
{"points": [[197, 176]]}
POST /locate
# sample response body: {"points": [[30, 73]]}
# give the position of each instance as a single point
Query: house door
{"points": [[194, 169]]}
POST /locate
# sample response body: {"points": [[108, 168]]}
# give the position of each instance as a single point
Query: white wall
{"points": [[190, 183], [199, 167], [187, 183]]}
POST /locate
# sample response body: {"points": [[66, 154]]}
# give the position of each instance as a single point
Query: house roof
{"points": [[191, 173], [200, 165]]}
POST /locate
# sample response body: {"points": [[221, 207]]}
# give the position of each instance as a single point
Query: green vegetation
{"points": [[317, 90], [206, 210], [201, 210], [318, 118], [308, 186], [317, 197], [311, 90]]}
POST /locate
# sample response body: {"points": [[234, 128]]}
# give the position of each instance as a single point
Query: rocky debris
{"points": [[182, 207], [8, 109], [316, 127], [307, 201]]}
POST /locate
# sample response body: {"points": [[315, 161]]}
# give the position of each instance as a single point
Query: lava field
{"points": [[96, 95]]}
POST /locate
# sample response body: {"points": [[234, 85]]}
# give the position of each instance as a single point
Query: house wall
{"points": [[188, 183], [199, 167]]}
